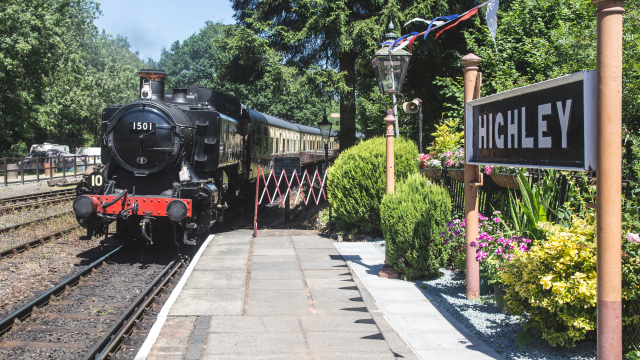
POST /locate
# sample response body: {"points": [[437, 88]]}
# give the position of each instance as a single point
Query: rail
{"points": [[26, 311], [110, 342], [34, 169], [34, 243]]}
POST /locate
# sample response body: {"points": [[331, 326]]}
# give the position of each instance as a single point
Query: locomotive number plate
{"points": [[142, 126]]}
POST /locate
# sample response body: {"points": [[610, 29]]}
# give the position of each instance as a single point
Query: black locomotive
{"points": [[173, 162]]}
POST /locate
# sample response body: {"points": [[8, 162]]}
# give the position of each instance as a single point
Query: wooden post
{"points": [[75, 166], [37, 169], [609, 174], [255, 215], [5, 172], [387, 270], [472, 178]]}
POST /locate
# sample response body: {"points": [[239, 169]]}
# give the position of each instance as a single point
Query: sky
{"points": [[152, 25]]}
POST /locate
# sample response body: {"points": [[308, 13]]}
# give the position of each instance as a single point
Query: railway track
{"points": [[39, 199], [40, 241], [7, 228], [91, 314]]}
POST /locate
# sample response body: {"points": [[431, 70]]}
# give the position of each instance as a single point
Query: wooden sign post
{"points": [[609, 175], [472, 179]]}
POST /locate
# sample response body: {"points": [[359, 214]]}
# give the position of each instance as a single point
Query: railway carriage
{"points": [[174, 161]]}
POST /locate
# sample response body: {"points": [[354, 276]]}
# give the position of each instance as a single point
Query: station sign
{"points": [[287, 164], [551, 124]]}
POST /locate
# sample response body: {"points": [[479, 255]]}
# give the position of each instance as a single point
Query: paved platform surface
{"points": [[283, 295], [431, 332]]}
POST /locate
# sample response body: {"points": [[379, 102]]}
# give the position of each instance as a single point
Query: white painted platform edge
{"points": [[162, 316]]}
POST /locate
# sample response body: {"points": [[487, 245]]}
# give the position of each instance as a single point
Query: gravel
{"points": [[31, 188], [481, 317]]}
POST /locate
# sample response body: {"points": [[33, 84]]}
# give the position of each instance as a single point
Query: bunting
{"points": [[439, 22]]}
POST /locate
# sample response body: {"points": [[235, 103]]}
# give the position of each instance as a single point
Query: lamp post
{"points": [[325, 131], [390, 68]]}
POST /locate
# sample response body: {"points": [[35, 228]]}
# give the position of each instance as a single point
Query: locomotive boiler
{"points": [[173, 162]]}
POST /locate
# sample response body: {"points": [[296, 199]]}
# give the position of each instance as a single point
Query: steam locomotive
{"points": [[175, 161]]}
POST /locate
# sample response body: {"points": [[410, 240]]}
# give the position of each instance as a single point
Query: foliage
{"points": [[428, 161], [57, 73], [554, 283], [536, 204], [233, 60], [412, 220], [489, 169], [357, 181], [542, 40], [494, 246], [453, 159], [447, 137]]}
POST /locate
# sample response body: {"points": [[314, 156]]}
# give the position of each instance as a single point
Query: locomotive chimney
{"points": [[152, 84]]}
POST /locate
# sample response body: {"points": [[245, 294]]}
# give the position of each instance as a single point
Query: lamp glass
{"points": [[325, 128], [390, 70]]}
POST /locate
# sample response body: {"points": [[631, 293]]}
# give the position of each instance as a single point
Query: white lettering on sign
{"points": [[565, 116], [527, 142], [499, 138], [543, 141], [482, 132], [489, 132], [512, 129]]}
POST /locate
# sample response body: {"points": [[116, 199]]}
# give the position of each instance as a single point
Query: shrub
{"points": [[412, 221], [357, 181], [555, 283], [631, 292]]}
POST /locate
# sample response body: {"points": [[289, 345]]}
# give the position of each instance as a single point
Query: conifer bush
{"points": [[412, 221], [357, 182]]}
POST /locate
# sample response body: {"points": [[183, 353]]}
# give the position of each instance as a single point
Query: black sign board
{"points": [[549, 125], [288, 164]]}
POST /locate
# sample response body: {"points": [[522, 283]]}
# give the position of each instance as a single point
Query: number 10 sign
{"points": [[551, 124]]}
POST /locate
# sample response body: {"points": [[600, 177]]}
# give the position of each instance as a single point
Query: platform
{"points": [[292, 295]]}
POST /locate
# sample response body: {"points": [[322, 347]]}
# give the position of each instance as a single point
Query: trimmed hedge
{"points": [[357, 181], [412, 221]]}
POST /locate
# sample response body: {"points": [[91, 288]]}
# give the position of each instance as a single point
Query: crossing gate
{"points": [[278, 198]]}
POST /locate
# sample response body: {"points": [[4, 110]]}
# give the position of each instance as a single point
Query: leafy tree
{"points": [[235, 61], [337, 38], [57, 73]]}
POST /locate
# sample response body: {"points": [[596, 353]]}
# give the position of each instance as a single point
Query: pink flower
{"points": [[498, 251], [633, 238]]}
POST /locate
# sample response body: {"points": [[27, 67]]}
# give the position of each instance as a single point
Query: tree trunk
{"points": [[348, 101]]}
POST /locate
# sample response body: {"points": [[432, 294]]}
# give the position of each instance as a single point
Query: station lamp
{"points": [[390, 68], [325, 130]]}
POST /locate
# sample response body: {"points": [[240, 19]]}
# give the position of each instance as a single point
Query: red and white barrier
{"points": [[273, 199]]}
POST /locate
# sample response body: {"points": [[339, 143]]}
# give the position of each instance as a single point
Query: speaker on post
{"points": [[411, 107]]}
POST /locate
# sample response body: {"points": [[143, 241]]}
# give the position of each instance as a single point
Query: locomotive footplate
{"points": [[137, 205]]}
